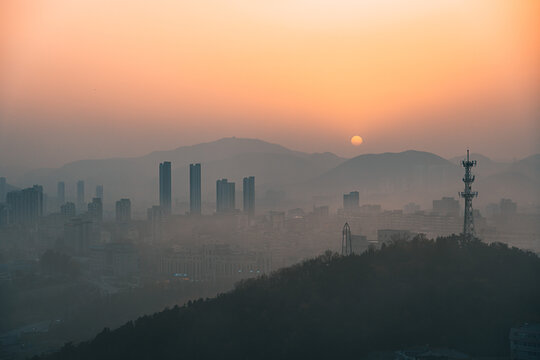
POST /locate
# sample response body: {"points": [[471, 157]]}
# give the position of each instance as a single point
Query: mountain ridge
{"points": [[405, 175]]}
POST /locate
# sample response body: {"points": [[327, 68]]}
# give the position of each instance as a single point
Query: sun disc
{"points": [[356, 140]]}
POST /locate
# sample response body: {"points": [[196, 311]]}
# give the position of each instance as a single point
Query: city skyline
{"points": [[269, 179], [355, 169]]}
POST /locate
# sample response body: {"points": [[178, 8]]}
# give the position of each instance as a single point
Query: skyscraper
{"points": [[3, 189], [225, 196], [123, 210], [26, 206], [195, 189], [95, 209], [80, 194], [248, 192], [99, 192], [165, 187], [61, 193]]}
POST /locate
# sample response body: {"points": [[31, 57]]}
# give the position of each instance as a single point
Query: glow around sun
{"points": [[357, 140]]}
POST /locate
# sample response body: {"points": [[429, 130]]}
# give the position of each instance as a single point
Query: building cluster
{"points": [[76, 228], [225, 193], [109, 249], [372, 221], [82, 229]]}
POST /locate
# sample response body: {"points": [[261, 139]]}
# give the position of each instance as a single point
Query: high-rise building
{"points": [[248, 191], [80, 194], [123, 210], [225, 196], [165, 187], [68, 210], [26, 206], [99, 192], [3, 189], [351, 200], [95, 209], [61, 193], [195, 189]]}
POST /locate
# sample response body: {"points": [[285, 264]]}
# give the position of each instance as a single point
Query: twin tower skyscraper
{"points": [[225, 194], [165, 200]]}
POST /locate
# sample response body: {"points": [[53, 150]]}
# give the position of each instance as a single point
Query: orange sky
{"points": [[103, 78]]}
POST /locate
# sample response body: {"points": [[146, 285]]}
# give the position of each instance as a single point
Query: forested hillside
{"points": [[444, 292]]}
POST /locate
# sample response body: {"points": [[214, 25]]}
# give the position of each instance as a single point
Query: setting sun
{"points": [[357, 140]]}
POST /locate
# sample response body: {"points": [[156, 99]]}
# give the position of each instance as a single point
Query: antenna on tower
{"points": [[468, 195]]}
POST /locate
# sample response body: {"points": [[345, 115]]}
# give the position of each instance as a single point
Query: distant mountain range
{"points": [[397, 178], [390, 174], [232, 158], [389, 178]]}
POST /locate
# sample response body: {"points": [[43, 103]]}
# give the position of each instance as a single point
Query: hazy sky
{"points": [[103, 78]]}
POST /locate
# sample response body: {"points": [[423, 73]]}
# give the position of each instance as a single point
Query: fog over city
{"points": [[269, 180]]}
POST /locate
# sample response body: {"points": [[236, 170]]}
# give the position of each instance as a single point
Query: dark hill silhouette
{"points": [[444, 293]]}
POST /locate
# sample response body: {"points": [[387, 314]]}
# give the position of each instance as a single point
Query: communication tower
{"points": [[468, 195]]}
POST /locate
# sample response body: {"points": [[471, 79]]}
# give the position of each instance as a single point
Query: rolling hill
{"points": [[446, 293]]}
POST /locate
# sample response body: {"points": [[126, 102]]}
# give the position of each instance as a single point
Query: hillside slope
{"points": [[442, 293]]}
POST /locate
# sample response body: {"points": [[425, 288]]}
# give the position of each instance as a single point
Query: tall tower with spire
{"points": [[468, 195], [346, 245]]}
